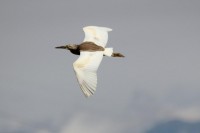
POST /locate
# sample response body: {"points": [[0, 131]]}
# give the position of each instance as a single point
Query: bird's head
{"points": [[69, 47]]}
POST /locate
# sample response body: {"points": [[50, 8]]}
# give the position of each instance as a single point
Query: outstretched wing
{"points": [[85, 68], [98, 35]]}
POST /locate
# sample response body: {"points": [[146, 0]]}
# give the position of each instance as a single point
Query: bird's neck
{"points": [[74, 49]]}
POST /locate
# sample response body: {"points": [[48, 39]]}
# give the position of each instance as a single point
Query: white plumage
{"points": [[87, 64], [91, 52], [98, 35], [85, 68]]}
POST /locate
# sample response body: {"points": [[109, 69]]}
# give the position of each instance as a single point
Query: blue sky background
{"points": [[157, 81]]}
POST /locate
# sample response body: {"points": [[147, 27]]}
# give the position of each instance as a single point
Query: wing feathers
{"points": [[98, 35], [85, 68]]}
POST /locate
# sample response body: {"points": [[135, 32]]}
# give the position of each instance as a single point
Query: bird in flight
{"points": [[91, 52]]}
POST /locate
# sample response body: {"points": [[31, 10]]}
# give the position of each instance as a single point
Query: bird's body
{"points": [[91, 52], [86, 46]]}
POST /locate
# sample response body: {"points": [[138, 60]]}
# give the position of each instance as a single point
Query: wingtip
{"points": [[96, 27], [88, 96]]}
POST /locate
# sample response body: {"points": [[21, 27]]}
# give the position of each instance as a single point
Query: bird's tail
{"points": [[108, 51]]}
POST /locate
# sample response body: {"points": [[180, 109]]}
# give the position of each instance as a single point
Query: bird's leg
{"points": [[117, 55]]}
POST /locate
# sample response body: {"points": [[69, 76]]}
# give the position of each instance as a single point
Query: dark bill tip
{"points": [[61, 47]]}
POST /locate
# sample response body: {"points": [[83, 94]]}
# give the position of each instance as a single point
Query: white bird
{"points": [[91, 52]]}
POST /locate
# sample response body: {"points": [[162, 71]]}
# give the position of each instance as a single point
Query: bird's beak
{"points": [[61, 47]]}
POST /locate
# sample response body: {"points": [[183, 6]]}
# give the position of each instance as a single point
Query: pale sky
{"points": [[157, 81]]}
